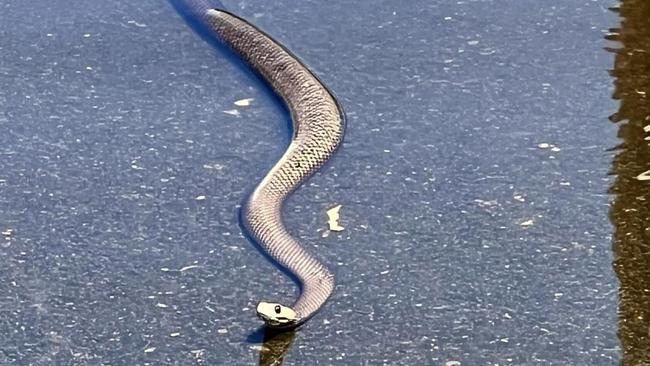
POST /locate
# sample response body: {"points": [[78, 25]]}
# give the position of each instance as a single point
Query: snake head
{"points": [[276, 315]]}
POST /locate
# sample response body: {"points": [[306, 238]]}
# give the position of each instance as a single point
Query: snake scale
{"points": [[318, 127]]}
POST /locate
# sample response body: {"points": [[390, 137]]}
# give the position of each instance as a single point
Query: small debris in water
{"points": [[244, 102], [197, 353], [333, 219], [186, 268], [8, 232], [483, 203], [232, 112], [644, 176], [546, 145], [519, 198], [149, 350], [215, 166], [527, 223], [452, 363], [200, 198], [161, 305], [139, 25], [175, 334], [222, 331]]}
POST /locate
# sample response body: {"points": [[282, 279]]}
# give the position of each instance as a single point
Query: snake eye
{"points": [[277, 309]]}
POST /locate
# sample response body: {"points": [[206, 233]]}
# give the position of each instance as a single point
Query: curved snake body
{"points": [[318, 126]]}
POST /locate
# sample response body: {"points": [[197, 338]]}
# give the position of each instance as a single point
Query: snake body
{"points": [[318, 127]]}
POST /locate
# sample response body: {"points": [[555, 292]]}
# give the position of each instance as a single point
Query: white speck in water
{"points": [[232, 112], [214, 166], [644, 176], [222, 331], [149, 350], [187, 268], [200, 198], [139, 25], [244, 102], [527, 223], [161, 305], [544, 145]]}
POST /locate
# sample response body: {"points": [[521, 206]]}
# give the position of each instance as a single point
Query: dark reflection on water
{"points": [[275, 345], [630, 212]]}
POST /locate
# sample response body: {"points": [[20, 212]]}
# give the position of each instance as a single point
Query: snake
{"points": [[318, 124]]}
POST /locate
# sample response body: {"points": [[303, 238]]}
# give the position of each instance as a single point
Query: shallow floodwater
{"points": [[493, 214]]}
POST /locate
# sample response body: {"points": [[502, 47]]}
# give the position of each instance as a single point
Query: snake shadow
{"points": [[188, 11]]}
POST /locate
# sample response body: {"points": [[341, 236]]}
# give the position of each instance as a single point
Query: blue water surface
{"points": [[473, 183]]}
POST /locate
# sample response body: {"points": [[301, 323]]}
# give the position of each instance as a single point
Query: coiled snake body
{"points": [[318, 126]]}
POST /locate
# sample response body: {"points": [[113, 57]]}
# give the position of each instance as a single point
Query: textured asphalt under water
{"points": [[475, 184]]}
